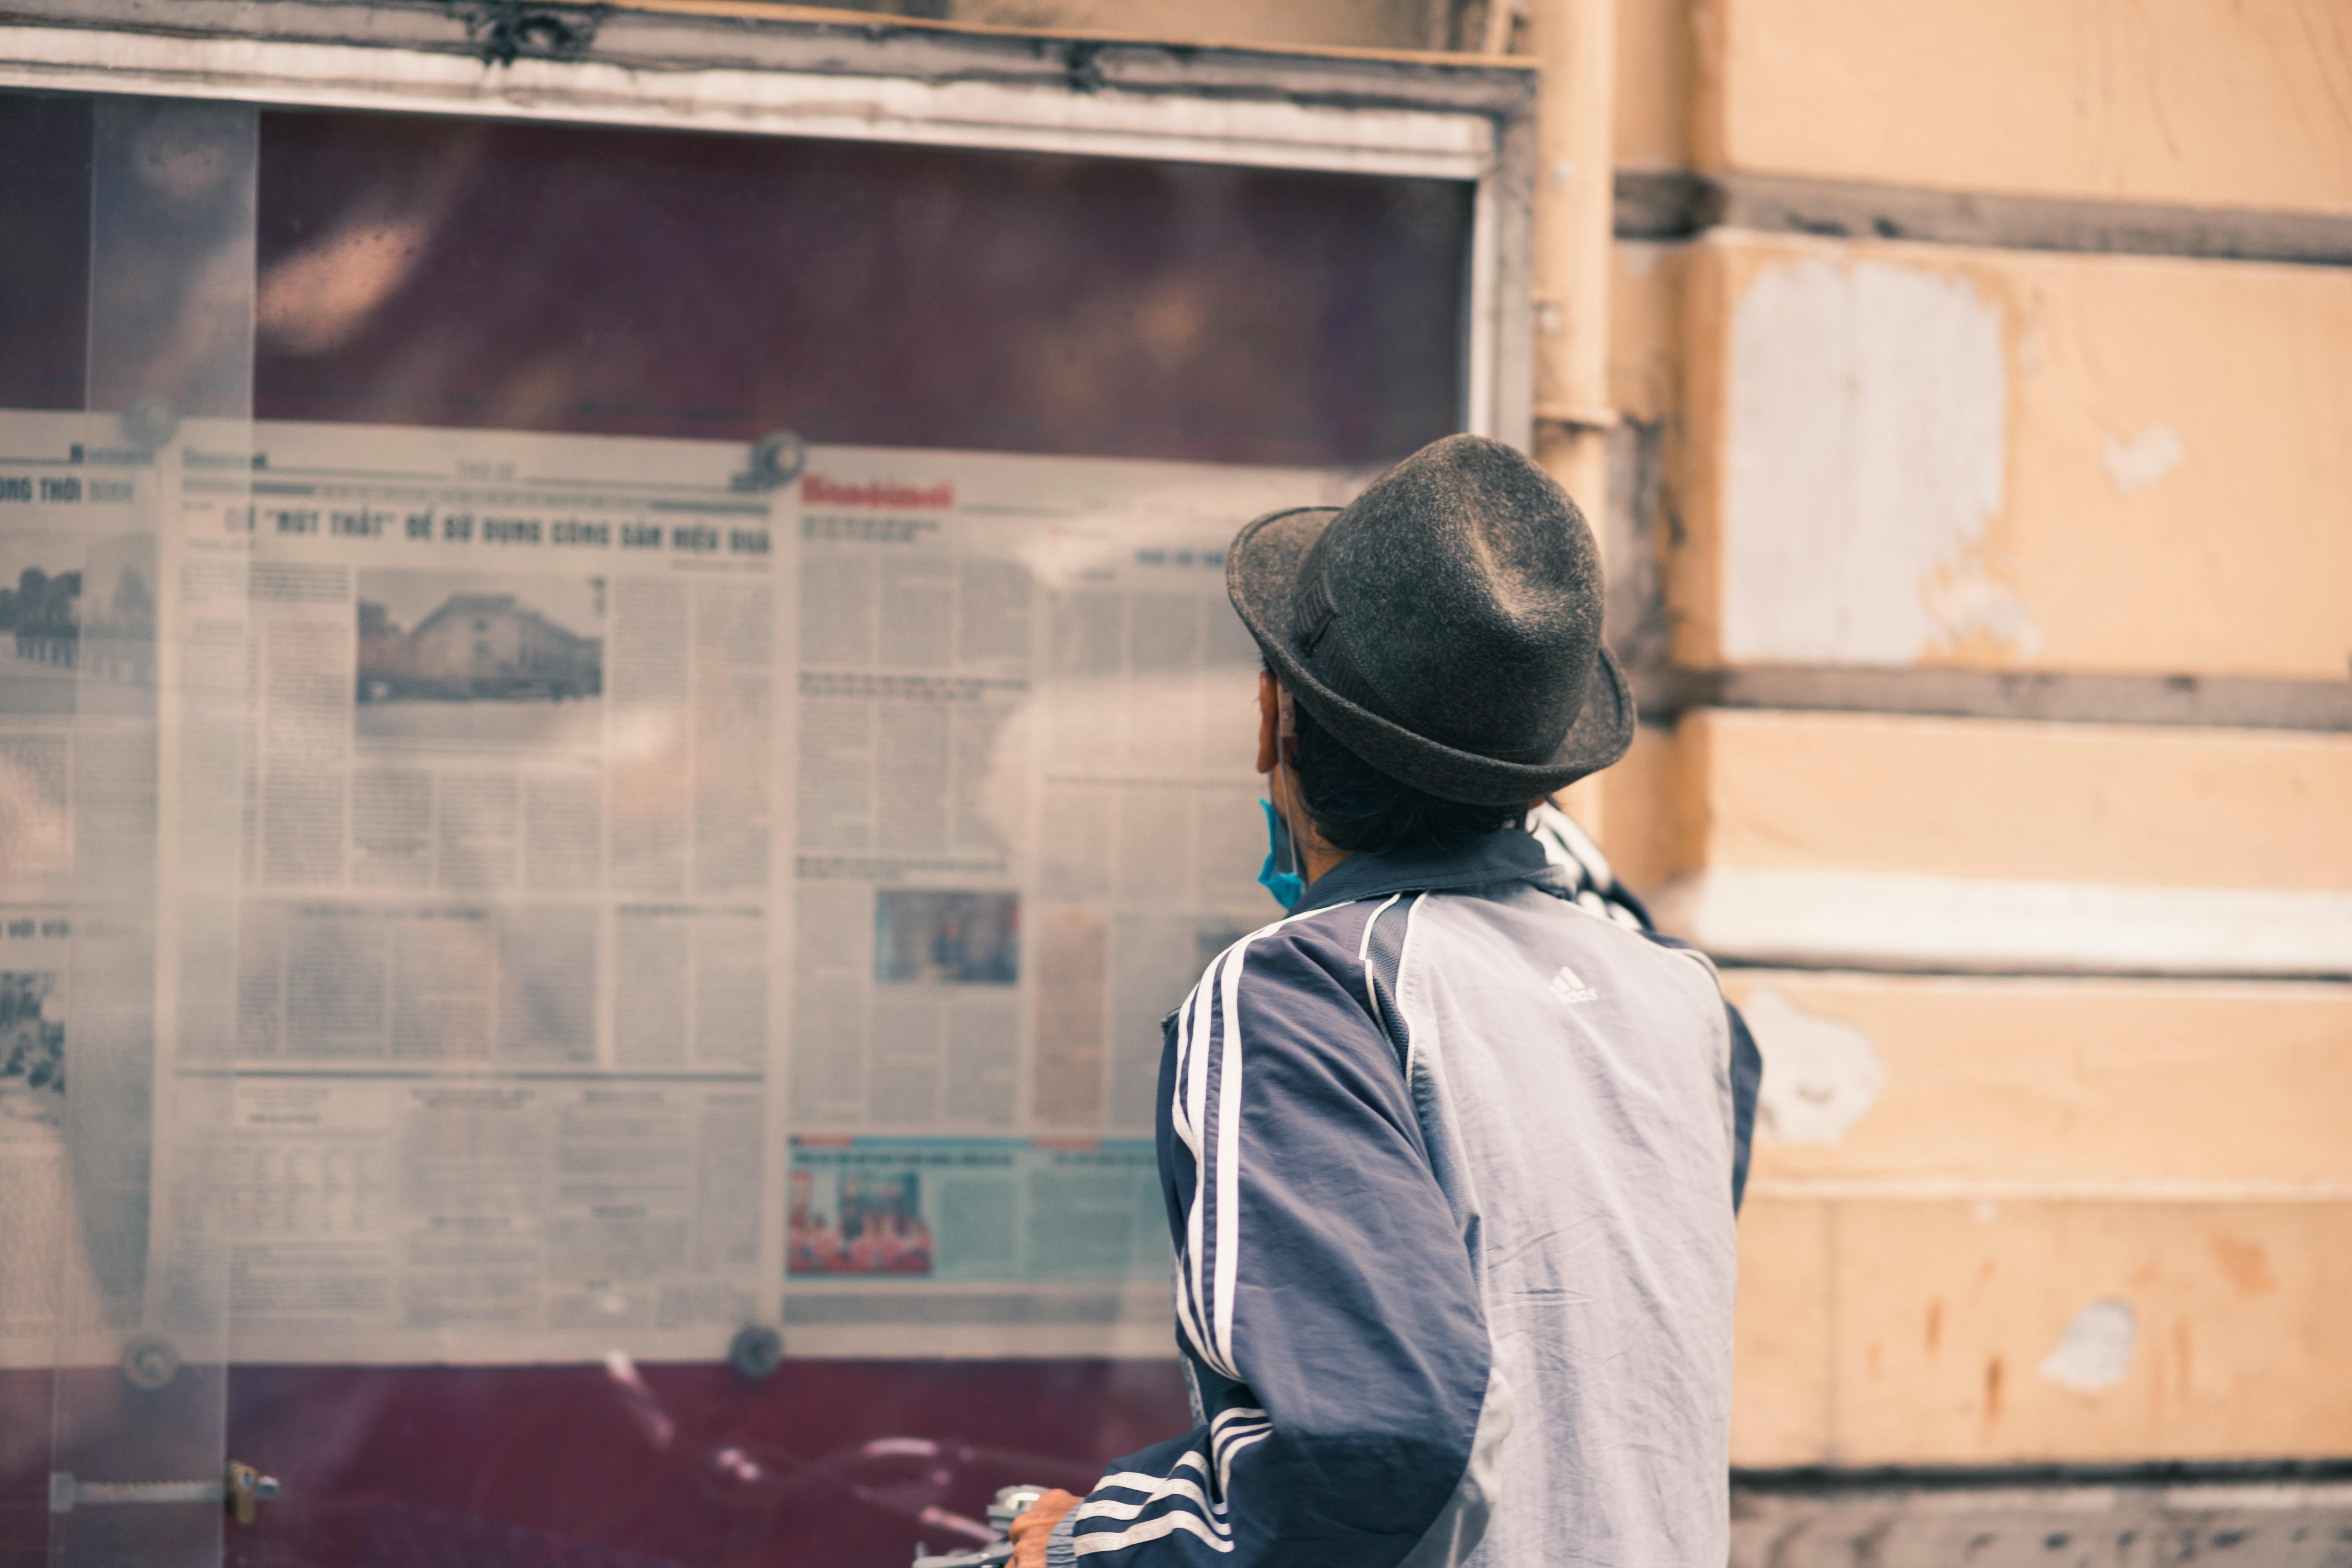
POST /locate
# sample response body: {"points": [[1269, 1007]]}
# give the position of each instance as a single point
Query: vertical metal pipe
{"points": [[1575, 42]]}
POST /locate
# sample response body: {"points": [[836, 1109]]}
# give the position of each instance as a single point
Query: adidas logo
{"points": [[1569, 988]]}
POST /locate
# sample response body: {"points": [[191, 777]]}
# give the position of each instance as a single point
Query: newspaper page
{"points": [[38, 1212], [1028, 816], [503, 1016], [666, 886], [79, 595]]}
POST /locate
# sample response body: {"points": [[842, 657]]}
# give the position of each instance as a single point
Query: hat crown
{"points": [[1461, 594]]}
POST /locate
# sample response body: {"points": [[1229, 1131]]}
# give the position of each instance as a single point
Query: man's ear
{"points": [[1269, 719]]}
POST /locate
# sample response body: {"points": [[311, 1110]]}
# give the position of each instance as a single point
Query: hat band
{"points": [[1322, 642]]}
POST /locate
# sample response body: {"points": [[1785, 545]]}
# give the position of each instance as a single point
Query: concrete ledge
{"points": [[1903, 921], [2189, 1475], [2253, 1516], [2193, 700], [1675, 204]]}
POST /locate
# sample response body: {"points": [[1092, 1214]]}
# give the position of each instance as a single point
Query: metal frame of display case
{"points": [[754, 70], [723, 67]]}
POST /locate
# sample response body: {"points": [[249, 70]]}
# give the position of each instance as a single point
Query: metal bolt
{"points": [[756, 1352], [149, 1360]]}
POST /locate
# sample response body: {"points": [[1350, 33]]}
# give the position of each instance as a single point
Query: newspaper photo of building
{"points": [[466, 656]]}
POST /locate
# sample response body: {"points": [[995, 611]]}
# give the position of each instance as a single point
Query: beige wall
{"points": [[2237, 105], [1969, 1086], [1917, 454], [2064, 1209], [2093, 1199], [2153, 806], [1657, 66], [1953, 1169], [1937, 1332]]}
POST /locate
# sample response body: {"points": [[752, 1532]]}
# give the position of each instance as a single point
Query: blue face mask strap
{"points": [[1285, 883], [1286, 887]]}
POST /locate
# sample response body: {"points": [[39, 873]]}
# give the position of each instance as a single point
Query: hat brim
{"points": [[1261, 571]]}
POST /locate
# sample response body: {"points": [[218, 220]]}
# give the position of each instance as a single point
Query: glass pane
{"points": [[699, 734], [44, 251], [431, 271], [121, 709]]}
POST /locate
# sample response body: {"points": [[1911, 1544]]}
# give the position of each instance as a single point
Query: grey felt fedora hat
{"points": [[1444, 626]]}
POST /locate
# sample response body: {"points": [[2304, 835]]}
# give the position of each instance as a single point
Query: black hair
{"points": [[1358, 807]]}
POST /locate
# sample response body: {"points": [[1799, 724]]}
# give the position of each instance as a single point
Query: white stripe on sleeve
{"points": [[1211, 1052], [1151, 1530], [1228, 1065], [1233, 1448]]}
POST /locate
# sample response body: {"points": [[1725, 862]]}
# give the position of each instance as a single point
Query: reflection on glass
{"points": [[129, 278], [511, 883], [431, 271]]}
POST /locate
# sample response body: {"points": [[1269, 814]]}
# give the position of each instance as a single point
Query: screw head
{"points": [[777, 460], [149, 422], [756, 1352], [149, 1361]]}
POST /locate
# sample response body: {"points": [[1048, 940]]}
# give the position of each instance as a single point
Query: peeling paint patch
{"points": [[2095, 1350], [1974, 606], [2146, 458], [1821, 1075], [1866, 458]]}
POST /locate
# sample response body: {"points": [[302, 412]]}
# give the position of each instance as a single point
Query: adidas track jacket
{"points": [[1450, 1164]]}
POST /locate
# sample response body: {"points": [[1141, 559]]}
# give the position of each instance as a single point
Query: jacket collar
{"points": [[1510, 855]]}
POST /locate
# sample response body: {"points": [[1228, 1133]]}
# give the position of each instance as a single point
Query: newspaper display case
{"points": [[620, 723]]}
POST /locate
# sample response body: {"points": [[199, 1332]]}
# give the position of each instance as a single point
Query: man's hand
{"points": [[1029, 1533]]}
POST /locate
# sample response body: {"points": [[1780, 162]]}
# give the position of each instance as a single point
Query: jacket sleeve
{"points": [[1325, 1300], [1747, 1081]]}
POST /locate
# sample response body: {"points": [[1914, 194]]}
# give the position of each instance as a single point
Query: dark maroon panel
{"points": [[43, 250], [828, 1464], [441, 272], [92, 1424], [27, 1397]]}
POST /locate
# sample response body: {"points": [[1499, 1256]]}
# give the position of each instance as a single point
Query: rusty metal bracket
{"points": [[504, 31], [247, 1489]]}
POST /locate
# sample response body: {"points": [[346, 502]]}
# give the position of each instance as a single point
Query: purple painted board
{"points": [[404, 1536], [45, 146], [828, 1464], [436, 271]]}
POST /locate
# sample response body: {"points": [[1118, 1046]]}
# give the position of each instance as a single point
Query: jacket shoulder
{"points": [[1330, 939]]}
